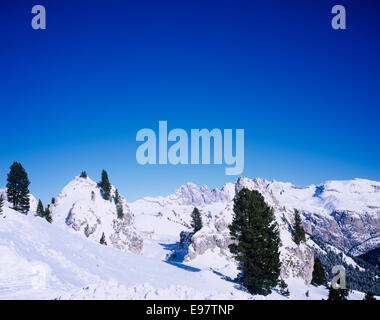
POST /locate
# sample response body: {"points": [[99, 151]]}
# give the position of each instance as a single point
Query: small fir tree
{"points": [[338, 294], [105, 185], [119, 206], [48, 216], [319, 276], [1, 203], [17, 188], [117, 197], [87, 231], [83, 175], [284, 288], [369, 296], [298, 230], [40, 209], [103, 240], [120, 213], [196, 220]]}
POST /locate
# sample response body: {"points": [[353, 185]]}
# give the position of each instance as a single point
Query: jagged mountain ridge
{"points": [[343, 213]]}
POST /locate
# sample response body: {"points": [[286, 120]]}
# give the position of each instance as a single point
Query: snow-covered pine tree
{"points": [[337, 294], [105, 185], [83, 175], [87, 231], [196, 220], [298, 230], [1, 203], [284, 288], [48, 216], [319, 276], [40, 209], [256, 242], [17, 188], [119, 206], [103, 240], [369, 296]]}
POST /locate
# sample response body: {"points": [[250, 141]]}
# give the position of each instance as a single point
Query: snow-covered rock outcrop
{"points": [[81, 207]]}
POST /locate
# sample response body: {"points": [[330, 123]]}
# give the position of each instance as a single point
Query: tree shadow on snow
{"points": [[177, 255], [182, 266]]}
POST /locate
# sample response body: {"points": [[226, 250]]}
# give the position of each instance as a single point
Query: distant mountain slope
{"points": [[343, 213], [372, 257]]}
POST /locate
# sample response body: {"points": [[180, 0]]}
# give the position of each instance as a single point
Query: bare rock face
{"points": [[297, 262], [81, 207]]}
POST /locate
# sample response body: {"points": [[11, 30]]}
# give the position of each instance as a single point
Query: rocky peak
{"points": [[81, 207]]}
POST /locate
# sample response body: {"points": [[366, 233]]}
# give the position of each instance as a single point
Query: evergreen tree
{"points": [[319, 276], [117, 197], [1, 203], [256, 242], [103, 240], [52, 200], [284, 288], [298, 230], [87, 231], [196, 222], [48, 216], [83, 175], [105, 185], [337, 294], [17, 188], [119, 206], [40, 209], [369, 296], [120, 213]]}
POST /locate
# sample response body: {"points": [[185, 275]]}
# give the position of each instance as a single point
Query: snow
{"points": [[54, 261], [43, 261]]}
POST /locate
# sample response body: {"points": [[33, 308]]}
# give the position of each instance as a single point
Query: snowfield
{"points": [[143, 259], [42, 261]]}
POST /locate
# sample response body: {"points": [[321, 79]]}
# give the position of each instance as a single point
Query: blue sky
{"points": [[73, 96]]}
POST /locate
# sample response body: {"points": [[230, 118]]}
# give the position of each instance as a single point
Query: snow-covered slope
{"points": [[81, 207], [78, 267], [43, 261]]}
